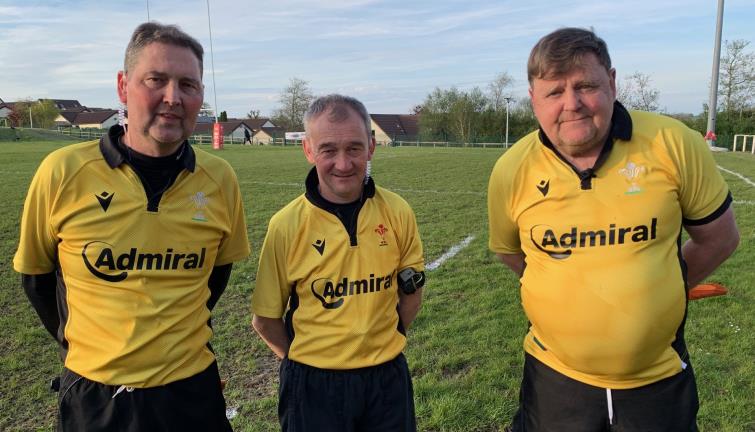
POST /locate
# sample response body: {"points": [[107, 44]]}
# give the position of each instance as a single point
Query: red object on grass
{"points": [[707, 290]]}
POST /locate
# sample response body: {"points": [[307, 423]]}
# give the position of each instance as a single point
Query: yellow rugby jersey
{"points": [[339, 292], [135, 280], [604, 283]]}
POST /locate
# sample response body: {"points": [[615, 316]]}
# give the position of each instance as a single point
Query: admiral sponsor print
{"points": [[100, 259], [331, 294], [560, 245]]}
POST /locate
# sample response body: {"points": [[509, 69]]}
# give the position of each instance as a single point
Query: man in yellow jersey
{"points": [[588, 211], [126, 245], [343, 263]]}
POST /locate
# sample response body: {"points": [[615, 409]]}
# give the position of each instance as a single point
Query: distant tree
{"points": [[453, 113], [206, 110], [253, 114], [23, 112], [44, 113], [15, 119], [498, 91], [737, 76], [294, 100], [416, 109], [636, 92], [223, 117]]}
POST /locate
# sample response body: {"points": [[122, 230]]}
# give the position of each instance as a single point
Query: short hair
{"points": [[151, 32], [335, 106], [563, 50]]}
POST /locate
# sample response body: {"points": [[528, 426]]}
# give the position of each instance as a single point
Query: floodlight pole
{"points": [[147, 10], [212, 62], [507, 99], [712, 101], [31, 121]]}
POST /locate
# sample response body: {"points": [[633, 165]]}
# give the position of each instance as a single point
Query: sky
{"points": [[390, 54]]}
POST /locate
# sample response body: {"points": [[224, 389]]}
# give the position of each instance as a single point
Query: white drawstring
{"points": [[120, 389], [610, 406]]}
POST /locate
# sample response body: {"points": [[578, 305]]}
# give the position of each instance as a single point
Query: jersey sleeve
{"points": [[411, 244], [37, 249], [235, 246], [272, 289], [503, 232], [704, 194]]}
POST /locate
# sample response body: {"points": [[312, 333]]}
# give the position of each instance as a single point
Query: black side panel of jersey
{"points": [[678, 344], [293, 305]]}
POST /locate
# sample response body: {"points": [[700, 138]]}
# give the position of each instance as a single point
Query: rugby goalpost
{"points": [[745, 139]]}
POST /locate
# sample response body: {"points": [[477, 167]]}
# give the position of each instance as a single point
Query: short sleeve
{"points": [[411, 250], [502, 230], [236, 245], [703, 191], [37, 249], [272, 289]]}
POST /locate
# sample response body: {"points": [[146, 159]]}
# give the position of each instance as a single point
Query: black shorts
{"points": [[550, 401], [191, 404], [377, 398]]}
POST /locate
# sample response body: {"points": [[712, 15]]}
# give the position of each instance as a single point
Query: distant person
{"points": [[588, 212], [247, 137], [126, 245], [339, 282]]}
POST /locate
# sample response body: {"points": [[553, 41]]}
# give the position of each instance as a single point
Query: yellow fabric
{"points": [[147, 325], [603, 285], [357, 328]]}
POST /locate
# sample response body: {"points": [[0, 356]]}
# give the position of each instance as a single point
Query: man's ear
{"points": [[122, 80], [371, 148], [306, 146]]}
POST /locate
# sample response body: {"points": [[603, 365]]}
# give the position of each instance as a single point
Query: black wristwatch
{"points": [[409, 280]]}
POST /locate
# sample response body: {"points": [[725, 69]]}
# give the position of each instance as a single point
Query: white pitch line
{"points": [[272, 183], [744, 202], [450, 253], [737, 174]]}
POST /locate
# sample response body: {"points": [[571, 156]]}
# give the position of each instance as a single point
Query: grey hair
{"points": [[335, 106], [151, 32], [563, 50]]}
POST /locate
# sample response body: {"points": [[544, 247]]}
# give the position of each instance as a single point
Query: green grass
{"points": [[464, 349]]}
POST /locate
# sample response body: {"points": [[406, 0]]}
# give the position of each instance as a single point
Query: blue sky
{"points": [[390, 54]]}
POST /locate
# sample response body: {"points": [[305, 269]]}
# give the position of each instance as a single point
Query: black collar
{"points": [[313, 192], [114, 155]]}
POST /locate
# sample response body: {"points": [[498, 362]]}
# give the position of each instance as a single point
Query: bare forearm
{"points": [[408, 307], [708, 246], [513, 261], [273, 332], [702, 259]]}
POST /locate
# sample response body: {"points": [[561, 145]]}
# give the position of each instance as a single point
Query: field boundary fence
{"points": [[434, 144]]}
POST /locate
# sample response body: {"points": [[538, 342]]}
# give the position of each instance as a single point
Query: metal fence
{"points": [[448, 144]]}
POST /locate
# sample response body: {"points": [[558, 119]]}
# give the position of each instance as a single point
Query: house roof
{"points": [[256, 123], [397, 124], [65, 104], [228, 127], [93, 117]]}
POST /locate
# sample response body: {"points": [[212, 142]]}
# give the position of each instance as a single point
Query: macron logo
{"points": [[543, 187], [319, 246], [104, 198]]}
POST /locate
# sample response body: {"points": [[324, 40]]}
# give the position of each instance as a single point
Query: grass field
{"points": [[464, 348]]}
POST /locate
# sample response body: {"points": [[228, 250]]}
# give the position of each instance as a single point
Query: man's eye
{"points": [[190, 87], [154, 81]]}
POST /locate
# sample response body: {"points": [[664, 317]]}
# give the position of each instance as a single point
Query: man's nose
{"points": [[572, 100], [342, 162], [172, 93]]}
